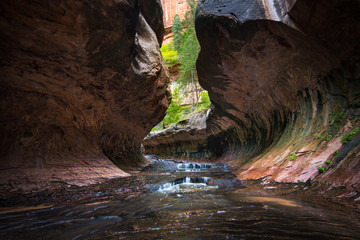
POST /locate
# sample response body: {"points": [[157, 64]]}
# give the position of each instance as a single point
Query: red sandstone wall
{"points": [[171, 8]]}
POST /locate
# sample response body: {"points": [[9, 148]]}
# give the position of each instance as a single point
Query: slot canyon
{"points": [[277, 155]]}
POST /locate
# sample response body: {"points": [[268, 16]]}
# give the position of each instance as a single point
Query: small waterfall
{"points": [[186, 184], [193, 166]]}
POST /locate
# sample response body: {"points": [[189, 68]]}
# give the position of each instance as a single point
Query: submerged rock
{"points": [[82, 82], [275, 72]]}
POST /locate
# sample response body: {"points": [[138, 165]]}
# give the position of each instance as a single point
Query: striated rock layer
{"points": [[284, 80], [172, 8], [82, 82], [186, 140]]}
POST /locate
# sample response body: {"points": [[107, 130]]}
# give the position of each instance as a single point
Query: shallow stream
{"points": [[186, 201]]}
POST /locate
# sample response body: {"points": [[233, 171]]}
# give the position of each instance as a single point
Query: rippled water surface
{"points": [[185, 201]]}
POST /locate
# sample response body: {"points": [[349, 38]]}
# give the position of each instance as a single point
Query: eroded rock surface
{"points": [[186, 140], [82, 82], [279, 73]]}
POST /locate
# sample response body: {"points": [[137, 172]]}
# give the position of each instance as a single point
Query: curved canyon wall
{"points": [[82, 82], [283, 77]]}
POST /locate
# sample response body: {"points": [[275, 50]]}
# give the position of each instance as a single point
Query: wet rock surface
{"points": [[82, 82], [180, 204], [278, 82], [64, 193]]}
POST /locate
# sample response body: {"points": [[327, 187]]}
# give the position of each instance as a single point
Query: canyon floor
{"points": [[172, 199]]}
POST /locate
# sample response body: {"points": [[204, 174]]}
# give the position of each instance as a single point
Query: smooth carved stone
{"points": [[274, 71], [80, 78], [253, 67]]}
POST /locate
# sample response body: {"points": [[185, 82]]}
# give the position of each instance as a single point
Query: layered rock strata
{"points": [[82, 82], [186, 140], [283, 77]]}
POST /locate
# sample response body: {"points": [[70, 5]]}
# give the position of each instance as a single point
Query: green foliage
{"points": [[169, 53], [205, 99], [336, 119], [339, 118], [185, 48], [173, 112], [336, 153], [188, 49], [348, 136], [293, 156], [188, 54], [189, 20], [328, 162], [356, 105], [318, 136], [321, 169], [157, 127], [328, 137], [177, 31], [185, 112], [205, 102]]}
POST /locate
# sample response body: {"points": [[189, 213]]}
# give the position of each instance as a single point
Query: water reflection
{"points": [[281, 201], [186, 184], [207, 204]]}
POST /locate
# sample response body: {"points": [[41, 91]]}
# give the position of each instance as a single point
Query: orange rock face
{"points": [[80, 79], [171, 8]]}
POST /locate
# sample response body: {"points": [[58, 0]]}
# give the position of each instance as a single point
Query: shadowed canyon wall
{"points": [[283, 77], [284, 81], [82, 82]]}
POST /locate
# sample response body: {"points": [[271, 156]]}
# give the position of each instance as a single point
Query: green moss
{"points": [[157, 128], [336, 118], [293, 156], [328, 162], [321, 169], [328, 137], [348, 136], [339, 118]]}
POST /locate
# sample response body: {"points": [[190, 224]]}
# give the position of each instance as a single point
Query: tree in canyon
{"points": [[177, 29], [189, 49]]}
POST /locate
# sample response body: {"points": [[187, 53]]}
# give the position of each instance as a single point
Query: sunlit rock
{"points": [[185, 140]]}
